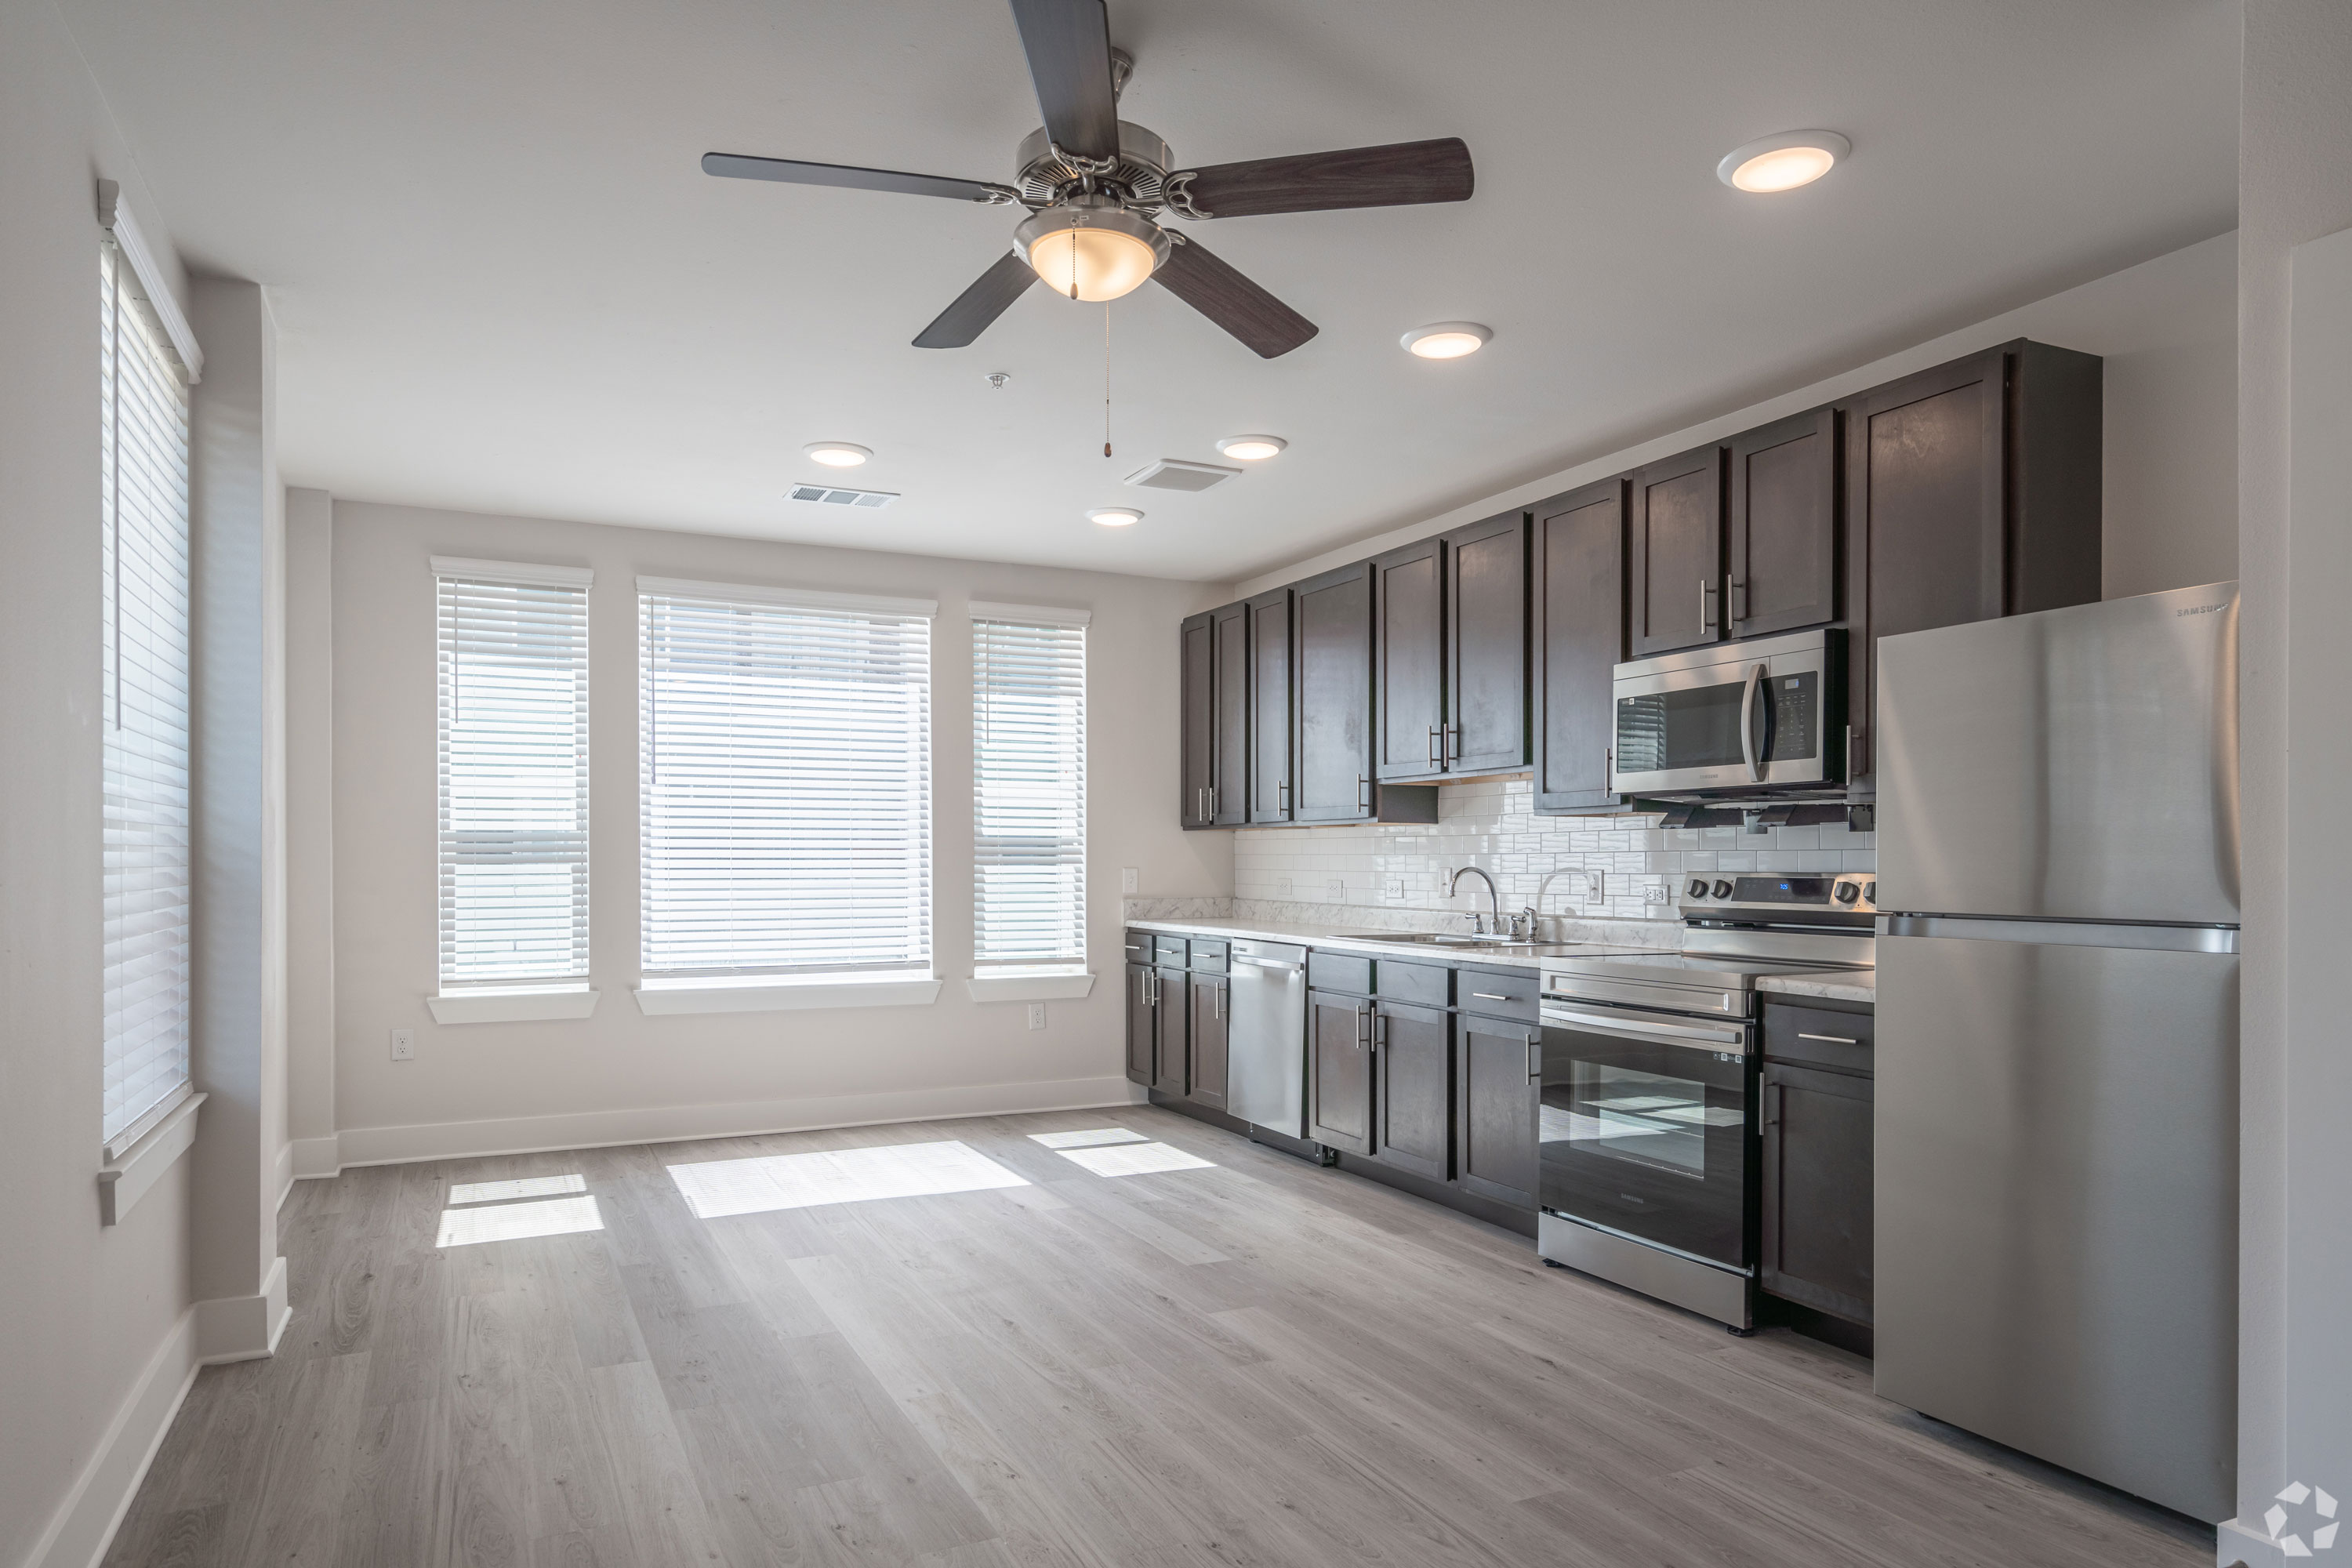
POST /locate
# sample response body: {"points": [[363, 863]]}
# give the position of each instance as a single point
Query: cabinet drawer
{"points": [[1818, 1037], [1514, 994], [1141, 947], [1429, 984], [1210, 955], [1170, 950], [1339, 971]]}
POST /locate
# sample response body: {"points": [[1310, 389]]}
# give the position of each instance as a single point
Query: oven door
{"points": [[1769, 712], [1648, 1127]]}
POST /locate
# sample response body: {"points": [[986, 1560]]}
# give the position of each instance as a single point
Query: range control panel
{"points": [[1731, 893]]}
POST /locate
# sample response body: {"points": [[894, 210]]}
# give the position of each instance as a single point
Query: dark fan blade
{"points": [[1405, 174], [792, 172], [1068, 45], [1268, 326], [991, 294]]}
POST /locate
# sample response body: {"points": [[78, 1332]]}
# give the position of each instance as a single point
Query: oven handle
{"points": [[1695, 1035], [1747, 743]]}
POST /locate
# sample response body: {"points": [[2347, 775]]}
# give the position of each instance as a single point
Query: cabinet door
{"points": [[1171, 1074], [1924, 523], [1784, 525], [1339, 1071], [1487, 651], [1579, 637], [1498, 1093], [1228, 723], [1678, 552], [1211, 1014], [1270, 707], [1414, 1089], [1197, 703], [1409, 659], [1817, 1177], [1142, 1025], [1332, 652]]}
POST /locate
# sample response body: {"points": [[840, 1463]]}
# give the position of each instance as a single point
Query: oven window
{"points": [[1660, 1123], [1695, 728]]}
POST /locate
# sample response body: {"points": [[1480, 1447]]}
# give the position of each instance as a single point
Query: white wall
{"points": [[2294, 1367], [91, 1319], [2167, 329], [310, 830], [620, 1076]]}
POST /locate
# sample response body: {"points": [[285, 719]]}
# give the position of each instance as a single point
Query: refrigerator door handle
{"points": [[2065, 933]]}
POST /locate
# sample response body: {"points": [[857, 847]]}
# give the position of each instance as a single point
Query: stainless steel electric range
{"points": [[1649, 1132]]}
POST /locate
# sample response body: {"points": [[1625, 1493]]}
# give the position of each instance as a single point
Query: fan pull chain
{"points": [[1105, 378]]}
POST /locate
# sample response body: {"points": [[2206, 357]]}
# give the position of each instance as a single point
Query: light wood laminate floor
{"points": [[1254, 1362]]}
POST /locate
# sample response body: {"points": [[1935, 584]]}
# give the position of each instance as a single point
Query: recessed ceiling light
{"points": [[1446, 340], [837, 453], [1115, 515], [1782, 163], [1250, 449]]}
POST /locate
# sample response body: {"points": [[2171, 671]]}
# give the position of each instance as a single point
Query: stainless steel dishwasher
{"points": [[1266, 1070]]}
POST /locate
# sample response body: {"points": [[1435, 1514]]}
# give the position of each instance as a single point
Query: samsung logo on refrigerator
{"points": [[2200, 610]]}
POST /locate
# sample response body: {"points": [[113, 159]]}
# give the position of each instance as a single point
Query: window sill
{"points": [[125, 1181], [772, 993], [515, 1005], [1030, 986]]}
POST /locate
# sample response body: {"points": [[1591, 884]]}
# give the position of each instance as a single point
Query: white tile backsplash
{"points": [[1550, 863]]}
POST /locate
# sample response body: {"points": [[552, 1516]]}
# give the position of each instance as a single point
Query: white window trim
{"points": [[1046, 983], [114, 216], [530, 573], [1039, 614], [512, 1003], [133, 1165], [803, 598], [775, 994]]}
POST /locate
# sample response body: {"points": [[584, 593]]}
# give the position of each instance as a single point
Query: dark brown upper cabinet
{"points": [[1486, 724], [1972, 492], [1331, 643], [1784, 525], [1229, 757], [1197, 702], [1271, 709], [1676, 555], [1579, 628], [1409, 660]]}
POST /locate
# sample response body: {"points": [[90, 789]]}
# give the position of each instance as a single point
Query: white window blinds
{"points": [[786, 776], [514, 773], [143, 490], [1029, 794]]}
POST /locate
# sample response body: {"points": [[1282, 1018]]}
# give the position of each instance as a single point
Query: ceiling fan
{"points": [[1097, 186]]}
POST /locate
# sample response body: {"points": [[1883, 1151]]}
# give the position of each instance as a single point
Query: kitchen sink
{"points": [[1447, 940]]}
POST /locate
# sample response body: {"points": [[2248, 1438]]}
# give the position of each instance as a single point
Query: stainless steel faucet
{"points": [[1494, 900]]}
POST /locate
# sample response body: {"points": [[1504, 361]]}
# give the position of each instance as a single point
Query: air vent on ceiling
{"points": [[834, 495], [1175, 474]]}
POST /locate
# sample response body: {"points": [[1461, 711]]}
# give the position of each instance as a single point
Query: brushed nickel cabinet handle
{"points": [[1489, 996], [1829, 1039]]}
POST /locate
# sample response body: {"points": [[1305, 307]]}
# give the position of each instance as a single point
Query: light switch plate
{"points": [[1127, 879], [1036, 1015], [404, 1044]]}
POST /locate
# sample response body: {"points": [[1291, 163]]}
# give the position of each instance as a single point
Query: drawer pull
{"points": [[1489, 996], [1829, 1039]]}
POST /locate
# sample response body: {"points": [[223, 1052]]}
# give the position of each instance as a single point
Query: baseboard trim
{"points": [[318, 1158], [85, 1523], [282, 1172], [741, 1119], [2237, 1545], [243, 1328]]}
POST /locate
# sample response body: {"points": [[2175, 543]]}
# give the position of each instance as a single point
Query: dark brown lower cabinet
{"points": [[1412, 1093], [1340, 1070], [1142, 1025], [1168, 993], [1817, 1176], [1499, 1089], [1210, 1025]]}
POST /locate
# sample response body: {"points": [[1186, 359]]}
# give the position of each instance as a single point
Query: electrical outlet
{"points": [[1336, 889], [1655, 893], [1396, 886], [1596, 887], [1127, 879], [1036, 1015], [1282, 887], [404, 1044]]}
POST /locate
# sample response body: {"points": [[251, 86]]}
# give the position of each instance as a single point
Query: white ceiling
{"points": [[503, 284]]}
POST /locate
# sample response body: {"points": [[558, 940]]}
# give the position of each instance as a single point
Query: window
{"points": [[786, 777], [1029, 786], [514, 774], [144, 558]]}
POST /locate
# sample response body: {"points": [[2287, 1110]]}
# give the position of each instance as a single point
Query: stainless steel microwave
{"points": [[1748, 718]]}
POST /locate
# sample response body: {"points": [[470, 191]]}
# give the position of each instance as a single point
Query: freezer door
{"points": [[2076, 764], [2056, 1231]]}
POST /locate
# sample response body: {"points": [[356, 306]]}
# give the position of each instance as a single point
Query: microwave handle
{"points": [[1748, 744]]}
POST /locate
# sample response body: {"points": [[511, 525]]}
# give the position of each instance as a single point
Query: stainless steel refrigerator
{"points": [[2057, 1037]]}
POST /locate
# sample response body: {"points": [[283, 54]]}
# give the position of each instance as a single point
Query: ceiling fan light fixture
{"points": [[1115, 515], [1090, 248], [1447, 340], [1782, 163], [837, 453], [1250, 449]]}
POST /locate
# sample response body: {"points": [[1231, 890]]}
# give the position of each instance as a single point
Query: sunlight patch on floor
{"points": [[1089, 1137], [524, 1187], [716, 1188], [513, 1222], [1136, 1159]]}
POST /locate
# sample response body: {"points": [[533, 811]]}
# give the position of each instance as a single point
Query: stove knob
{"points": [[1698, 889], [1871, 892], [1722, 890], [1847, 892]]}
